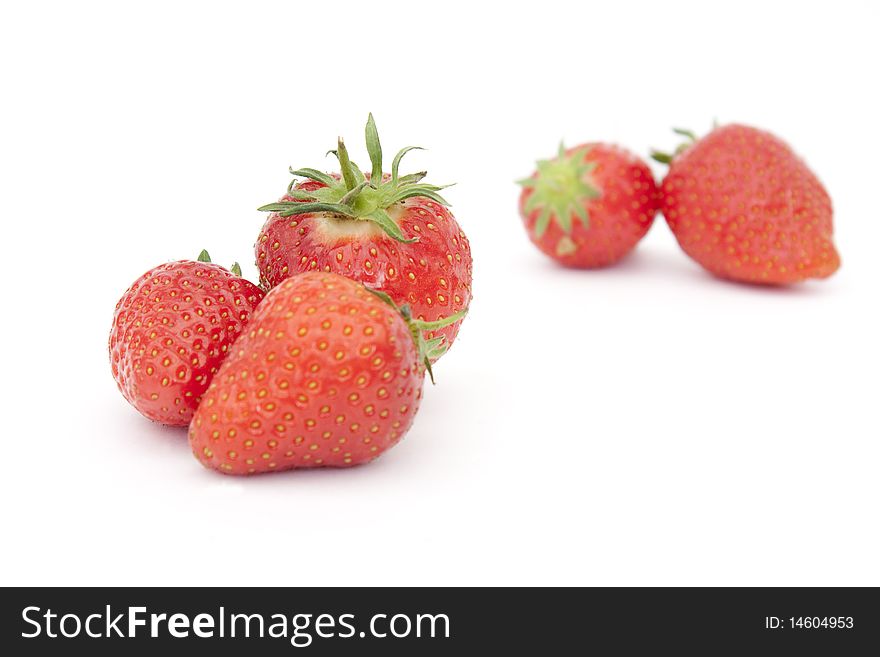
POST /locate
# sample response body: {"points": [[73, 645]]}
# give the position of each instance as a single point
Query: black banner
{"points": [[417, 621]]}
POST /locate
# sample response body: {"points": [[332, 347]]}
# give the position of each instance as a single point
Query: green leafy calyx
{"points": [[666, 158], [204, 256], [428, 350], [355, 197], [561, 188]]}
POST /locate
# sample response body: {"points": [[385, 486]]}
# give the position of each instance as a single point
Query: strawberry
{"points": [[328, 374], [590, 205], [745, 207], [393, 233], [172, 329]]}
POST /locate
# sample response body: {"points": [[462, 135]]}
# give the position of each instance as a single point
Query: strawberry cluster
{"points": [[739, 202], [365, 280]]}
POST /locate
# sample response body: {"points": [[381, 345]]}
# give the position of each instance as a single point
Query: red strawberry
{"points": [[329, 374], [172, 329], [745, 207], [396, 235], [590, 205]]}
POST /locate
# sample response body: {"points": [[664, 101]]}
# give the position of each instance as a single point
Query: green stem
{"points": [[349, 198]]}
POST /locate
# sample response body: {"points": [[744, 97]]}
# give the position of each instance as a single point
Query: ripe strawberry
{"points": [[393, 233], [172, 329], [590, 205], [329, 374], [745, 207]]}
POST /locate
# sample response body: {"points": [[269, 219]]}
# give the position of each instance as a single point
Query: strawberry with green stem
{"points": [[744, 206], [590, 205], [392, 232], [172, 329], [329, 374]]}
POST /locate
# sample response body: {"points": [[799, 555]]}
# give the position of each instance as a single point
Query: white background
{"points": [[646, 424]]}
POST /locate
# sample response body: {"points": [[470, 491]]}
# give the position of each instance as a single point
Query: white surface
{"points": [[641, 425]]}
